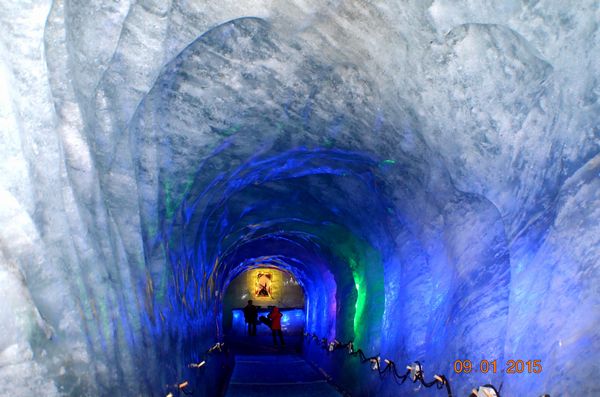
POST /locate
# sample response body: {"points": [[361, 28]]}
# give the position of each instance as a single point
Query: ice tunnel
{"points": [[418, 178]]}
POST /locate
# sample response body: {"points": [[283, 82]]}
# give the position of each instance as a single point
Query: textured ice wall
{"points": [[442, 154]]}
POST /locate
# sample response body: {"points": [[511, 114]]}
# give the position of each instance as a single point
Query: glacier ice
{"points": [[428, 170]]}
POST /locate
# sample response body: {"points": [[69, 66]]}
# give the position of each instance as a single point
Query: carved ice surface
{"points": [[429, 171]]}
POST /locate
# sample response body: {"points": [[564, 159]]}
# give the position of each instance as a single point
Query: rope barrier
{"points": [[413, 371], [183, 385]]}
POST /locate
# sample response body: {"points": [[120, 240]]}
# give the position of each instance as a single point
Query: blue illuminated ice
{"points": [[445, 155]]}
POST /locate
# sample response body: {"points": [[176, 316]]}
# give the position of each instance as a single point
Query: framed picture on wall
{"points": [[263, 286]]}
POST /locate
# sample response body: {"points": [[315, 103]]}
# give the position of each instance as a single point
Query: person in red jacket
{"points": [[275, 317]]}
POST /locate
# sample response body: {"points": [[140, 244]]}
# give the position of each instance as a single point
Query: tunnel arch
{"points": [[185, 149], [288, 292], [295, 233], [378, 211], [313, 278]]}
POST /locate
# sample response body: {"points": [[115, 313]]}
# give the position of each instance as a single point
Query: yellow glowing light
{"points": [[183, 385]]}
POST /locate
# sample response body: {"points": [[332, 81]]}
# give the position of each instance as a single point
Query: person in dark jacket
{"points": [[250, 315], [275, 317]]}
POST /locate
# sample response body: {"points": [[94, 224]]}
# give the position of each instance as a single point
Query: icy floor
{"points": [[277, 375]]}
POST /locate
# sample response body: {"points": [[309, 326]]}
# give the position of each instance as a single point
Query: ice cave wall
{"points": [[434, 161]]}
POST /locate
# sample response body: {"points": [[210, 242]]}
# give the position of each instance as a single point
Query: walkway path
{"points": [[276, 375]]}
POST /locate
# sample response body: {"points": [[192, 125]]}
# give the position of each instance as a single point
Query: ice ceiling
{"points": [[429, 171]]}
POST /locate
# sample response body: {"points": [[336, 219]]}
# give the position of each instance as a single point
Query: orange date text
{"points": [[492, 366]]}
